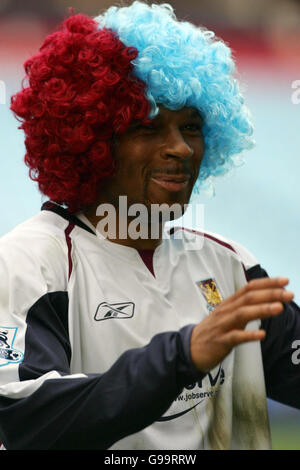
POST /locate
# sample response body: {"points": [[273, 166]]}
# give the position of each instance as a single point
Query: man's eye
{"points": [[193, 128], [145, 129]]}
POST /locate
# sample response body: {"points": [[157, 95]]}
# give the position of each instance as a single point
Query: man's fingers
{"points": [[255, 297], [236, 337], [225, 327], [252, 297], [265, 283], [268, 282], [254, 285], [248, 313]]}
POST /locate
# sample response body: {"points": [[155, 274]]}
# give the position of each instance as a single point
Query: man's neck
{"points": [[124, 232]]}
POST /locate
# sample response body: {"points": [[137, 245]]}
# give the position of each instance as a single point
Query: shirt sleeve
{"points": [[42, 404], [281, 346], [281, 351]]}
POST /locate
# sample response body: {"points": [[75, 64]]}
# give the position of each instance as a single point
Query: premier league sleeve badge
{"points": [[8, 354]]}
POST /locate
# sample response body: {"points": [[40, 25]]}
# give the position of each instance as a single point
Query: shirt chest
{"points": [[116, 303]]}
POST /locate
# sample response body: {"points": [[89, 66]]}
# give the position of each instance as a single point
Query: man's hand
{"points": [[214, 337]]}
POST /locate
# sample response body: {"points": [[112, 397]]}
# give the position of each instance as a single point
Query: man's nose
{"points": [[175, 146]]}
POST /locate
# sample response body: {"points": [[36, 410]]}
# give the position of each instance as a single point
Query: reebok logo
{"points": [[121, 310]]}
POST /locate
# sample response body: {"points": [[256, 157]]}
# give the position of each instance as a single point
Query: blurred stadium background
{"points": [[257, 204]]}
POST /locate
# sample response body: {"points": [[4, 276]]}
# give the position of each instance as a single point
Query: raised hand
{"points": [[214, 337]]}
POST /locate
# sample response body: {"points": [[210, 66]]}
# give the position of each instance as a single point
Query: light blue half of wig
{"points": [[185, 65]]}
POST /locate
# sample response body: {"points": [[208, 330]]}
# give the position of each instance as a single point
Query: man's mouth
{"points": [[172, 183]]}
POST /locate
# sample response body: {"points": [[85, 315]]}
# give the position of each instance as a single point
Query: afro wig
{"points": [[94, 77]]}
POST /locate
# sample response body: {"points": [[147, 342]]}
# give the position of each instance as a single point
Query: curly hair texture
{"points": [[81, 91], [184, 65]]}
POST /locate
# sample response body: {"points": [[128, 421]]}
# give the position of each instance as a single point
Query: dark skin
{"points": [[159, 164], [156, 164]]}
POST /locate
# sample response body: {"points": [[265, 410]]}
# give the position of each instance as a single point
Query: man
{"points": [[124, 341]]}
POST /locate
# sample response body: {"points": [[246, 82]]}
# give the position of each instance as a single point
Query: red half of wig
{"points": [[79, 92]]}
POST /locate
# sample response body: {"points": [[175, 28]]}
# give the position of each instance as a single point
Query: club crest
{"points": [[210, 292]]}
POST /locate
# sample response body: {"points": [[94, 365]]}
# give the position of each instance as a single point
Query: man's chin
{"points": [[178, 202], [165, 211]]}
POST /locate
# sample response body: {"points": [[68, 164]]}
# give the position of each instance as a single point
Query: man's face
{"points": [[158, 163]]}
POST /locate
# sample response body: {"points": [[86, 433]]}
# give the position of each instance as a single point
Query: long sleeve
{"points": [[281, 346], [43, 405], [279, 350]]}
